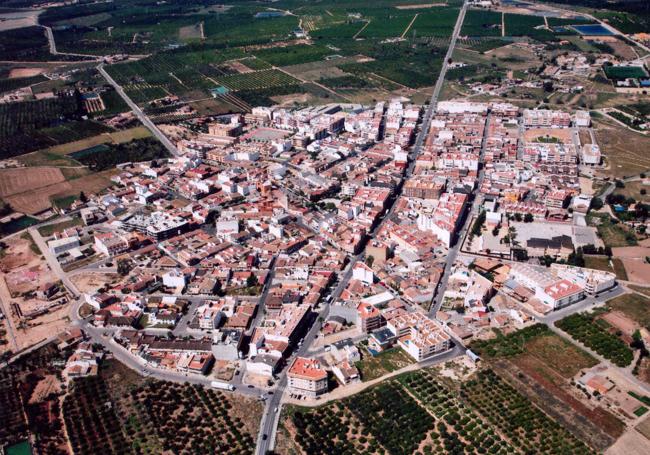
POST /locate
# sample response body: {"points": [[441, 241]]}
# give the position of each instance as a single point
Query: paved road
{"points": [[453, 251], [138, 112], [53, 263]]}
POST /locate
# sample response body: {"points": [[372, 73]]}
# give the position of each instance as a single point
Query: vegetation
{"points": [[482, 23], [146, 149], [509, 345], [373, 367], [594, 334], [516, 418], [459, 428], [32, 125]]}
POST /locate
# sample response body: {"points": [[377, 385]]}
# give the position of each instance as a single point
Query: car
{"points": [[265, 437], [277, 409], [251, 386], [270, 392]]}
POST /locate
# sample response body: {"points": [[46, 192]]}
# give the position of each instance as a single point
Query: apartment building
{"points": [[307, 377]]}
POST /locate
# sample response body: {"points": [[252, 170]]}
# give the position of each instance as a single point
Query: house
{"points": [[307, 377]]}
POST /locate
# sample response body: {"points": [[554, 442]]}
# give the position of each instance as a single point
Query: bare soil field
{"points": [[190, 32], [90, 282], [39, 187], [239, 67], [38, 200], [637, 270], [16, 181], [25, 72], [631, 443], [49, 384], [625, 151]]}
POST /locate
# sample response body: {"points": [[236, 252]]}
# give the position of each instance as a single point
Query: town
{"points": [[451, 254]]}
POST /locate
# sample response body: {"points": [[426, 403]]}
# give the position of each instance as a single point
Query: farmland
{"points": [[31, 125], [422, 412], [594, 333], [482, 23], [513, 415], [25, 409]]}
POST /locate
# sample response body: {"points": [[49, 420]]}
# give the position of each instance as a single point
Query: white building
{"points": [[174, 279], [591, 280], [307, 377], [363, 273], [62, 245]]}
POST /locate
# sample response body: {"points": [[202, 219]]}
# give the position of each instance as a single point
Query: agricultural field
{"points": [[482, 23], [516, 418], [423, 412], [105, 157], [542, 365], [30, 392], [598, 335], [531, 26], [32, 125], [624, 72]]}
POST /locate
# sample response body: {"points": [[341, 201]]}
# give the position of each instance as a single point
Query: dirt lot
{"points": [[637, 270], [90, 282], [631, 443], [25, 72], [563, 134], [24, 270]]}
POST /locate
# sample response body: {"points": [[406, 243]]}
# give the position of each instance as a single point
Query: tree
{"points": [[528, 218], [251, 281], [123, 267], [82, 197], [370, 260]]}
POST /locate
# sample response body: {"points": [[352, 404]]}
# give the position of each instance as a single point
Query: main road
{"points": [[138, 112], [270, 418]]}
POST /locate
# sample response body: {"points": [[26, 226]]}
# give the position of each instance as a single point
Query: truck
{"points": [[222, 385]]}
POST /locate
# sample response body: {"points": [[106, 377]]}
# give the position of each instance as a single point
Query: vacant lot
{"points": [[633, 306], [383, 363], [624, 150]]}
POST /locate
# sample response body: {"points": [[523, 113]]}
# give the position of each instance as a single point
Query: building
{"points": [[369, 318], [307, 377], [418, 335], [60, 246], [560, 294], [591, 280], [590, 155], [544, 118]]}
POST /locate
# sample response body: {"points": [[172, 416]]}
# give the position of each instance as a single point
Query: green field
{"points": [[625, 72], [482, 23]]}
